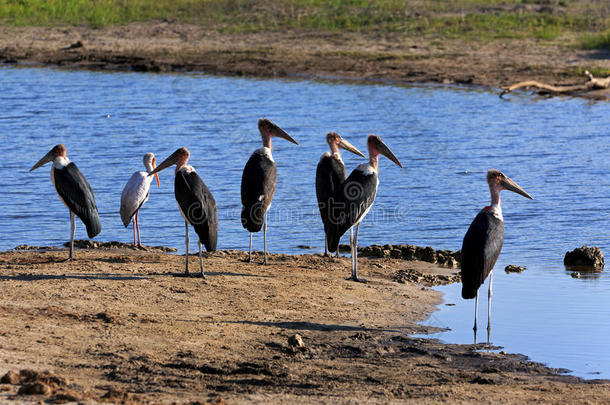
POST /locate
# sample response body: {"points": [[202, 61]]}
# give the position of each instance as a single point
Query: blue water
{"points": [[446, 137]]}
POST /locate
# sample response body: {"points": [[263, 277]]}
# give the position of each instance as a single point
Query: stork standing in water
{"points": [[330, 173], [258, 183], [355, 197], [73, 190], [483, 242], [196, 204], [135, 194]]}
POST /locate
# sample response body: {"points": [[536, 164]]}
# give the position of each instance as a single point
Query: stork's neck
{"points": [[334, 148], [181, 162], [374, 160], [60, 161], [373, 155], [495, 195], [149, 167], [266, 140]]}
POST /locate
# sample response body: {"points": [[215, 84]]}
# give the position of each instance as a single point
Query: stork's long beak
{"points": [[154, 164], [45, 159], [508, 184], [385, 151], [280, 133], [171, 160], [348, 146]]}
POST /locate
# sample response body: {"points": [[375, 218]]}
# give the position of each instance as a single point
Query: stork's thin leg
{"points": [[138, 228], [265, 238], [326, 246], [133, 221], [186, 241], [489, 294], [72, 229], [351, 247], [354, 276], [201, 261], [250, 249], [476, 311]]}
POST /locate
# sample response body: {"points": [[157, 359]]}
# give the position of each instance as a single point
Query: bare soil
{"points": [[125, 326], [171, 46]]}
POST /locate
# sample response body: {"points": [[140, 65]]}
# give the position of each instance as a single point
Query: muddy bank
{"points": [[125, 324], [167, 46]]}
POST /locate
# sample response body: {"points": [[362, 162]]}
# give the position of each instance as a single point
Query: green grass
{"points": [[470, 19], [596, 41]]}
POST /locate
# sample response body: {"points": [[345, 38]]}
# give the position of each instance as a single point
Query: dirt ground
{"points": [[169, 46], [124, 326]]}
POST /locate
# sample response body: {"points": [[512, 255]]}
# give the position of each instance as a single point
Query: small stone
{"points": [[511, 268], [296, 341], [35, 389], [10, 378], [575, 274]]}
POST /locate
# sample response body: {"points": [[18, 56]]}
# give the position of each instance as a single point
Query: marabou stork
{"points": [[196, 203], [483, 242], [355, 197], [135, 194], [73, 190], [330, 173], [258, 183]]}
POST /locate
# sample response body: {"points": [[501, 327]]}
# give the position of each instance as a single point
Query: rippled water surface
{"points": [[446, 138]]}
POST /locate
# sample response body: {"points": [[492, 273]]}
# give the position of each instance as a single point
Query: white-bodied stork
{"points": [[196, 203], [73, 190], [355, 197], [258, 183], [135, 194], [330, 174], [483, 242]]}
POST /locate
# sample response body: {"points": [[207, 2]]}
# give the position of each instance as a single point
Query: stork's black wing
{"points": [[330, 174], [77, 194], [198, 206], [352, 201], [257, 188], [480, 250]]}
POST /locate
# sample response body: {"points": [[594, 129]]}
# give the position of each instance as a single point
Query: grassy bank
{"points": [[585, 23]]}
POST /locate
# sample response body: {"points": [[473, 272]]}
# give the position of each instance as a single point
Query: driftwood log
{"points": [[594, 83]]}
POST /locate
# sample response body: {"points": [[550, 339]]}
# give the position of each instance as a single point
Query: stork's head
{"points": [[179, 158], [377, 147], [335, 141], [498, 181], [268, 130], [150, 163], [57, 151]]}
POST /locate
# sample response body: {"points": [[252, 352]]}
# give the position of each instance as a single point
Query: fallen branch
{"points": [[594, 83]]}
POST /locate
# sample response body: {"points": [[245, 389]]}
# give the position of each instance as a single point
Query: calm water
{"points": [[446, 138]]}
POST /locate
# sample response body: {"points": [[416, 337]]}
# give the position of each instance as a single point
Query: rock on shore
{"points": [[445, 258]]}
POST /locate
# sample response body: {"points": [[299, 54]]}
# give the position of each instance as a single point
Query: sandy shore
{"points": [[164, 46], [119, 324]]}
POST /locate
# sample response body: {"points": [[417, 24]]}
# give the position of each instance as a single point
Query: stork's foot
{"points": [[264, 263], [357, 279], [69, 259]]}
